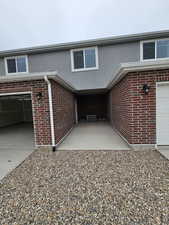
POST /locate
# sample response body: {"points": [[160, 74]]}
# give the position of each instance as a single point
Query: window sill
{"points": [[13, 74], [84, 70], [152, 60]]}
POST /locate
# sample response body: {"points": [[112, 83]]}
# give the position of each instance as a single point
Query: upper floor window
{"points": [[16, 64], [84, 59], [155, 49]]}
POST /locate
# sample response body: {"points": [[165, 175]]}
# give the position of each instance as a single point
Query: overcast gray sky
{"points": [[25, 23]]}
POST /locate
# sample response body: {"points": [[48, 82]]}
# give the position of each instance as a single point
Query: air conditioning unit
{"points": [[91, 118]]}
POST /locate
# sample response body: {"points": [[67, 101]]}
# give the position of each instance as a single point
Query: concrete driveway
{"points": [[93, 136], [165, 153], [16, 143], [164, 150]]}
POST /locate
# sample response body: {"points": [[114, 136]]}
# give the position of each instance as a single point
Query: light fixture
{"points": [[146, 89], [39, 95]]}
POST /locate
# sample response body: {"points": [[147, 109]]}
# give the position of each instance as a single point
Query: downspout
{"points": [[51, 113]]}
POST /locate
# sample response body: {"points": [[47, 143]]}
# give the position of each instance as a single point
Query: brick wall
{"points": [[64, 110], [120, 110], [133, 113], [40, 108]]}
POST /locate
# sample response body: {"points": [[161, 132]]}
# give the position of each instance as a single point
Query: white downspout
{"points": [[51, 113]]}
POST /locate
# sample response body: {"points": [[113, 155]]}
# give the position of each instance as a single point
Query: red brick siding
{"points": [[136, 119], [120, 109], [143, 124], [40, 107], [64, 110]]}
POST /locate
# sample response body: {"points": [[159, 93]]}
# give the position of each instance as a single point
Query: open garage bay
{"points": [[16, 131]]}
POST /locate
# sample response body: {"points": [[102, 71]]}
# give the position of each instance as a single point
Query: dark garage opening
{"points": [[16, 121], [93, 107]]}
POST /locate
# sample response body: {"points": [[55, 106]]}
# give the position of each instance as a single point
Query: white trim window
{"points": [[84, 59], [16, 64], [155, 49]]}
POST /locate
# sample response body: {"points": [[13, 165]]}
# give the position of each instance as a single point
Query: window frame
{"points": [[15, 57], [152, 40], [85, 68]]}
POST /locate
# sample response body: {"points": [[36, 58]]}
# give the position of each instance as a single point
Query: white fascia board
{"points": [[24, 77], [125, 68], [37, 76]]}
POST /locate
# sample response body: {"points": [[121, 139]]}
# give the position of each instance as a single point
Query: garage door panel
{"points": [[162, 114]]}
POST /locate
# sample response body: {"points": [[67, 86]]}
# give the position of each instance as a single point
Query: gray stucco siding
{"points": [[2, 67], [109, 58], [112, 56]]}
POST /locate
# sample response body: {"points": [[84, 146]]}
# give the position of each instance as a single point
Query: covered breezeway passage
{"points": [[93, 130], [92, 107], [93, 136], [16, 131]]}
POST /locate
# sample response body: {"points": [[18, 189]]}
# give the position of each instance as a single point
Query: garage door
{"points": [[162, 114]]}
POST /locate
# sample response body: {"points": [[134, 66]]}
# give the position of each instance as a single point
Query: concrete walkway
{"points": [[164, 150], [93, 136], [16, 143]]}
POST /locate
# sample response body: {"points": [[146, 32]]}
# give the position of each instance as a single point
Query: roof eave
{"points": [[125, 68], [87, 43], [37, 76]]}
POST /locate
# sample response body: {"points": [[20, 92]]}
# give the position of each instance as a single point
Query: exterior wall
{"points": [[2, 66], [133, 112], [110, 57], [63, 109], [120, 107], [143, 123], [40, 107]]}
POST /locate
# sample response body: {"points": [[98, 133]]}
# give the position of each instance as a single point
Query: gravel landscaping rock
{"points": [[87, 188]]}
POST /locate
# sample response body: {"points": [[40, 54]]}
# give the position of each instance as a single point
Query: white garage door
{"points": [[162, 114]]}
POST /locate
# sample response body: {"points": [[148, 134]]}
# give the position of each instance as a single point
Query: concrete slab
{"points": [[165, 153], [93, 136], [16, 143]]}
